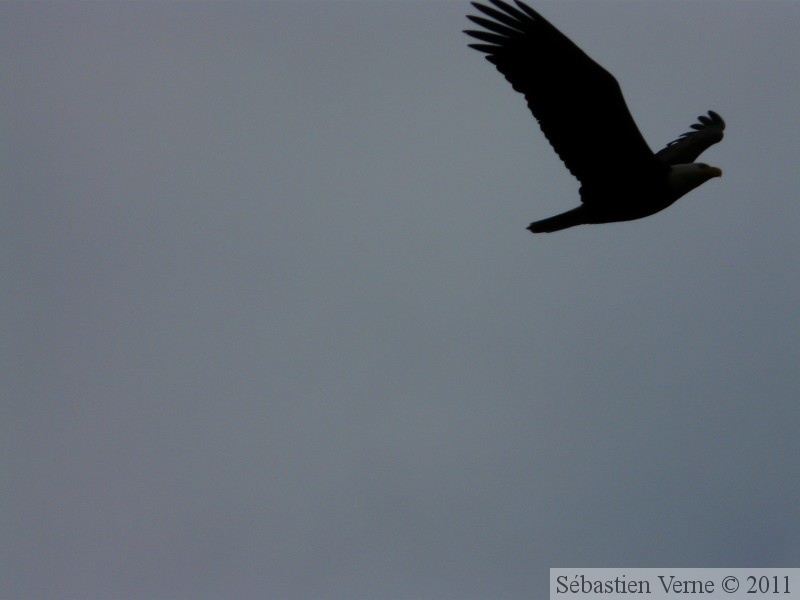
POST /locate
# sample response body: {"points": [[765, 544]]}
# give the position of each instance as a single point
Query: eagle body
{"points": [[630, 199], [582, 112]]}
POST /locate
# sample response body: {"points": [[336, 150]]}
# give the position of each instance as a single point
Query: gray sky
{"points": [[275, 329]]}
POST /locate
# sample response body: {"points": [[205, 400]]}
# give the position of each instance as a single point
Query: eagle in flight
{"points": [[581, 110]]}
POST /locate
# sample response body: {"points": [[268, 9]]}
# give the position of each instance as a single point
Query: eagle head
{"points": [[684, 178]]}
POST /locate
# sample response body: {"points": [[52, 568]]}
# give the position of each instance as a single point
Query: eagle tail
{"points": [[557, 223]]}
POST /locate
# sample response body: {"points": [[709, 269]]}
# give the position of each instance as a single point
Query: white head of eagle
{"points": [[683, 179]]}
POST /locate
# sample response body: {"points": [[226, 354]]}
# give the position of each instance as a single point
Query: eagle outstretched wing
{"points": [[578, 104], [693, 143]]}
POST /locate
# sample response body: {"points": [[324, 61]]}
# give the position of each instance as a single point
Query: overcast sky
{"points": [[274, 327]]}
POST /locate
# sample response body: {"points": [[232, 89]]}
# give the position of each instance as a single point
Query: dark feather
{"points": [[487, 24], [492, 38], [497, 15]]}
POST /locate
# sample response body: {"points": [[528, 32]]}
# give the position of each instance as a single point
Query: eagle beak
{"points": [[714, 171]]}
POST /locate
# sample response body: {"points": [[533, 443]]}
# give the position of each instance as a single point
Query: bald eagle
{"points": [[581, 110]]}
